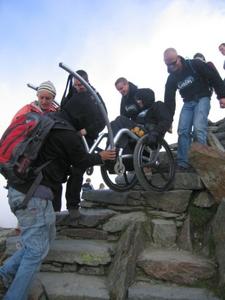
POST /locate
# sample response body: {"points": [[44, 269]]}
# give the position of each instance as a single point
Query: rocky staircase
{"points": [[133, 245]]}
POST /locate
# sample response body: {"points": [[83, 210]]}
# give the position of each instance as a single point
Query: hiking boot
{"points": [[182, 169]]}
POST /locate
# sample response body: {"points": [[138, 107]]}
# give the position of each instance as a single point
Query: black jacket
{"points": [[156, 117], [128, 100], [194, 81], [84, 112], [63, 148]]}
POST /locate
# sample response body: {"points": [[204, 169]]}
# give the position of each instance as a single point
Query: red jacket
{"points": [[34, 107]]}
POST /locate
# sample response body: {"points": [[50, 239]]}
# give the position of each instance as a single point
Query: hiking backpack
{"points": [[21, 142], [20, 146]]}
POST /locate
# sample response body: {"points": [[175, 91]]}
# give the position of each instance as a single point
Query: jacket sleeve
{"points": [[212, 75], [122, 107], [163, 118], [169, 96], [75, 152]]}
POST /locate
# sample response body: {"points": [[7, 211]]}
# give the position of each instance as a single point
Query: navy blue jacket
{"points": [[194, 81]]}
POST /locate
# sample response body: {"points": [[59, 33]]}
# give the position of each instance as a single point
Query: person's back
{"points": [[62, 148], [82, 110], [87, 115]]}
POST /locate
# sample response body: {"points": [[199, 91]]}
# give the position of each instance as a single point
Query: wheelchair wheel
{"points": [[118, 183], [154, 168]]}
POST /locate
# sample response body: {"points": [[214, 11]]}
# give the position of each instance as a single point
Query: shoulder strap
{"points": [[68, 87], [189, 62]]}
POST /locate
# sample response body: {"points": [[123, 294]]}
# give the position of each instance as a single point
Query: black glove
{"points": [[152, 138]]}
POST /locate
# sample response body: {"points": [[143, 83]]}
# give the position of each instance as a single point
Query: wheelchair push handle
{"points": [[101, 106]]}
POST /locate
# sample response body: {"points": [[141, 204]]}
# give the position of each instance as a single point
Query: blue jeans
{"points": [[193, 124], [37, 224]]}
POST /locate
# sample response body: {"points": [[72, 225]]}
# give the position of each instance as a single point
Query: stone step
{"points": [[147, 291], [69, 286], [175, 201], [82, 252], [175, 266], [88, 252]]}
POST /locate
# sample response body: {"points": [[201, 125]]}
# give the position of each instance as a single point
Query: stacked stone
{"points": [[133, 245]]}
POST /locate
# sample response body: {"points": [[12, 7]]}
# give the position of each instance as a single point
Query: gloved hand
{"points": [[152, 139]]}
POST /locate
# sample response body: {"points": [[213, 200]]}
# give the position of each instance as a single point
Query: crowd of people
{"points": [[195, 79]]}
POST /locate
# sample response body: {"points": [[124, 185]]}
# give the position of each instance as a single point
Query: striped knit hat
{"points": [[47, 86]]}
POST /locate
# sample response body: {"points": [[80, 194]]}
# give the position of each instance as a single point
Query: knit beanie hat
{"points": [[47, 86]]}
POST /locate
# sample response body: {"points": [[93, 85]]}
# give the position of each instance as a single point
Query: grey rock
{"points": [[219, 239], [184, 240], [68, 286], [187, 181], [204, 199], [119, 222], [109, 197], [83, 252], [148, 291], [175, 266], [170, 201], [164, 232], [122, 269], [93, 217]]}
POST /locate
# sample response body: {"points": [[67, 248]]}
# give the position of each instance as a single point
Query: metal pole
{"points": [[101, 106]]}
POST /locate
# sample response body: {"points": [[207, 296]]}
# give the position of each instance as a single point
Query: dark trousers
{"points": [[125, 142], [74, 183], [73, 188], [57, 201]]}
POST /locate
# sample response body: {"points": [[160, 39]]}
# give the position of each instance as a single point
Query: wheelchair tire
{"points": [[118, 183], [157, 175]]}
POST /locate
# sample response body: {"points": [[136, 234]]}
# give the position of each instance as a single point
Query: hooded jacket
{"points": [[194, 81], [155, 114], [82, 111], [127, 101]]}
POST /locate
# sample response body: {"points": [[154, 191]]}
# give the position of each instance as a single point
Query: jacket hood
{"points": [[147, 96]]}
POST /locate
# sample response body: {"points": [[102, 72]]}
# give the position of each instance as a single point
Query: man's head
{"points": [[88, 180], [222, 48], [145, 98], [122, 85], [46, 93], [199, 56], [77, 84], [172, 60]]}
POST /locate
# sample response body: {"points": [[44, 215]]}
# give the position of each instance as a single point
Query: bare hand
{"points": [[83, 131], [222, 102], [108, 154]]}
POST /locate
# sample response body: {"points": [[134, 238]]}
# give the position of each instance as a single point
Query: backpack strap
{"points": [[68, 87]]}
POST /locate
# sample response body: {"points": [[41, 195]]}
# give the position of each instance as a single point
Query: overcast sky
{"points": [[107, 38]]}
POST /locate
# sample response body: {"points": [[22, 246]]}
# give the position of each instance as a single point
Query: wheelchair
{"points": [[153, 169]]}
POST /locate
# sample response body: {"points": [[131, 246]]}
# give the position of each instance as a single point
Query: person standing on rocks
{"points": [[62, 148], [194, 80]]}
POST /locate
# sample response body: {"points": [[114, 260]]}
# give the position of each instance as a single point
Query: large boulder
{"points": [[210, 165]]}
